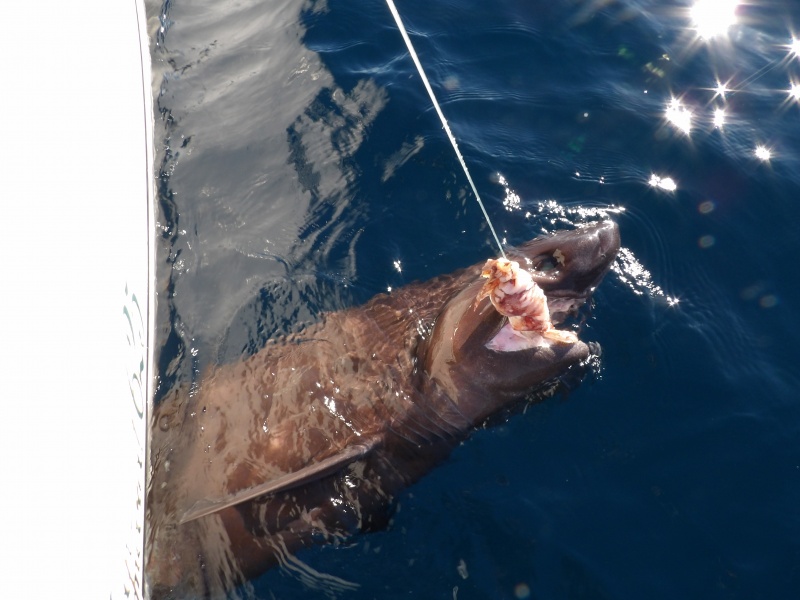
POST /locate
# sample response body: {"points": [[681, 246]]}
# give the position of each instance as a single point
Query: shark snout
{"points": [[608, 240]]}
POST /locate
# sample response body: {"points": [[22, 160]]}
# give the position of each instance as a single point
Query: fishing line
{"points": [[450, 135]]}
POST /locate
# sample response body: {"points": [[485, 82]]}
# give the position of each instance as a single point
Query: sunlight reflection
{"points": [[794, 91], [665, 183], [719, 118], [794, 47], [632, 273], [713, 17], [679, 115], [721, 89], [557, 214], [763, 153]]}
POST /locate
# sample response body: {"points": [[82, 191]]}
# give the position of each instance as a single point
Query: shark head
{"points": [[465, 357]]}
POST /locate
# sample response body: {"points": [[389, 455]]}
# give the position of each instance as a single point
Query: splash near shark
{"points": [[310, 440]]}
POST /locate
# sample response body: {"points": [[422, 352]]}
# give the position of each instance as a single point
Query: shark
{"points": [[311, 439]]}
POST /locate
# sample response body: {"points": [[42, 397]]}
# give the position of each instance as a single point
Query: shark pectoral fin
{"points": [[312, 472]]}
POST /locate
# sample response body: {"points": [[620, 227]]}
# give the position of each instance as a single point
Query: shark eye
{"points": [[545, 263]]}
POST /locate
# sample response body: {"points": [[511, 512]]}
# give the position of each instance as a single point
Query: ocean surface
{"points": [[301, 169]]}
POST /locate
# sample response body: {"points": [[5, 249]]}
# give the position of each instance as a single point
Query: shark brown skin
{"points": [[311, 439]]}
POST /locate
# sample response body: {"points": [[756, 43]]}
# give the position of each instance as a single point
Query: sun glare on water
{"points": [[665, 183], [794, 47], [763, 153], [679, 115], [713, 18]]}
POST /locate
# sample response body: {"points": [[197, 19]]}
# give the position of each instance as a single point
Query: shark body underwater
{"points": [[309, 440]]}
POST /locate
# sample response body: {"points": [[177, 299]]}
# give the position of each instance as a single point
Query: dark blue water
{"points": [[303, 169]]}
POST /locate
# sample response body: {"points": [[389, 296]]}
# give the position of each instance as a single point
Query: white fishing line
{"points": [[450, 135]]}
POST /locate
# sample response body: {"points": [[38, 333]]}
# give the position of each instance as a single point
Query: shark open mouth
{"points": [[563, 312], [510, 340], [530, 315]]}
